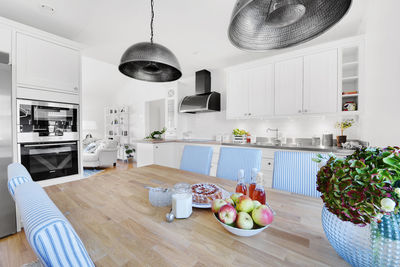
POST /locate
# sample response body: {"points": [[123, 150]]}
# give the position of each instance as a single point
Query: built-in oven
{"points": [[40, 121], [50, 160]]}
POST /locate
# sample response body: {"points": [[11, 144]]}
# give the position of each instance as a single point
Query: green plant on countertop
{"points": [[361, 187], [156, 134], [237, 132], [344, 124]]}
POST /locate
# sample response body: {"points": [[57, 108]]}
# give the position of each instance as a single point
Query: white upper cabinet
{"points": [[237, 105], [289, 87], [261, 91], [321, 82], [250, 93], [46, 65], [5, 40]]}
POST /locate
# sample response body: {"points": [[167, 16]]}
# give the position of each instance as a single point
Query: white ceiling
{"points": [[195, 30]]}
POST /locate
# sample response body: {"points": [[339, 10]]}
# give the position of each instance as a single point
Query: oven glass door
{"points": [[50, 160]]}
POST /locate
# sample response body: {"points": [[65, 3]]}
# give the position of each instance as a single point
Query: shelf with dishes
{"points": [[350, 71]]}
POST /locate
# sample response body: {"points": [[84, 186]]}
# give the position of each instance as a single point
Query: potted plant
{"points": [[239, 136], [342, 125], [129, 151], [361, 195], [156, 135]]}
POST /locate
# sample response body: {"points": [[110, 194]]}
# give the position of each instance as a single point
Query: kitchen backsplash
{"points": [[208, 125]]}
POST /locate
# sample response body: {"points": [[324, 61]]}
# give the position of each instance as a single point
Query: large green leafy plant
{"points": [[363, 186]]}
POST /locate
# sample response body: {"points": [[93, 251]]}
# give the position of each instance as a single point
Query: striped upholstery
{"points": [[17, 175], [296, 172], [16, 181], [232, 159], [49, 233], [197, 159]]}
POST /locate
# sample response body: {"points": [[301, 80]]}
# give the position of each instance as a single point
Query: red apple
{"points": [[217, 204], [244, 221], [235, 197], [262, 215], [227, 214], [230, 201], [245, 204]]}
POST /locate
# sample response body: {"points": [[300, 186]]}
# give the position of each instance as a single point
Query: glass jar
{"points": [[182, 200]]}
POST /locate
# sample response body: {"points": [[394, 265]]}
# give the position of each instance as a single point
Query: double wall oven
{"points": [[48, 136]]}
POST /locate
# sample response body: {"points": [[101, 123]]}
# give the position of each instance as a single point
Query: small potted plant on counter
{"points": [[239, 136], [156, 135], [342, 125], [361, 195]]}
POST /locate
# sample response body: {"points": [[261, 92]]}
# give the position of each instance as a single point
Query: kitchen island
{"points": [[169, 153]]}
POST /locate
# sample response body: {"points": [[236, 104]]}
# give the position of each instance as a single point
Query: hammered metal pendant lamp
{"points": [[260, 25], [148, 61]]}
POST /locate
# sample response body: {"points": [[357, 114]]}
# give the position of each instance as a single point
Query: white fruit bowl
{"points": [[241, 232]]}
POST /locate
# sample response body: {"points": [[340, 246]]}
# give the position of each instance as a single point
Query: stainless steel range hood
{"points": [[204, 100]]}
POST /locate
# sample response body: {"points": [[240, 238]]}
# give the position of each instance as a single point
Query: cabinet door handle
{"points": [[249, 114], [76, 88], [299, 110], [305, 110]]}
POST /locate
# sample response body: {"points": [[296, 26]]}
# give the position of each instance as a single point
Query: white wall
{"points": [[380, 125], [207, 125], [100, 82], [103, 85]]}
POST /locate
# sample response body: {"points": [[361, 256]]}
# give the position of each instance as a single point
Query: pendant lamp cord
{"points": [[151, 22]]}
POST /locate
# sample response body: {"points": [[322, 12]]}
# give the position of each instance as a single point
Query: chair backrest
{"points": [[232, 159], [197, 159], [296, 172]]}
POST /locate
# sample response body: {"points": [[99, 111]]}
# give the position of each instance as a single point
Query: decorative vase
{"points": [[341, 139], [376, 244]]}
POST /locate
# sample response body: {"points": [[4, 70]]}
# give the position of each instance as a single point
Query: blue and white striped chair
{"points": [[197, 159], [296, 172], [49, 233], [232, 159]]}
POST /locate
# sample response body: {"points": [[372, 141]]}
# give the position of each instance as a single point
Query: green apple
{"points": [[230, 201], [244, 221], [245, 204], [217, 204], [256, 204], [235, 197]]}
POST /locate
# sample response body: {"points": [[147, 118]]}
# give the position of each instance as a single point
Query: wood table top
{"points": [[119, 227]]}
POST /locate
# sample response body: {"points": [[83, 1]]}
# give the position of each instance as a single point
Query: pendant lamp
{"points": [[148, 61], [260, 25]]}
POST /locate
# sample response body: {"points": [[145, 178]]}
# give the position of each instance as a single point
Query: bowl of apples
{"points": [[241, 215]]}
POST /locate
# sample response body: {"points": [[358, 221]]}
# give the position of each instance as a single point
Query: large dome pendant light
{"points": [[261, 25], [148, 61]]}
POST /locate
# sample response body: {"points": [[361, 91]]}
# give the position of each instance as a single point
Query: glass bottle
{"points": [[259, 192], [241, 185], [253, 182]]}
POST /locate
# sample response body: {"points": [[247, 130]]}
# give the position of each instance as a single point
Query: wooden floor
{"points": [[15, 250]]}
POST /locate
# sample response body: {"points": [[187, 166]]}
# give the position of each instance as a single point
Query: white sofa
{"points": [[100, 153]]}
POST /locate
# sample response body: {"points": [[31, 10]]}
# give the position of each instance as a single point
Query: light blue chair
{"points": [[295, 172], [232, 159], [197, 159]]}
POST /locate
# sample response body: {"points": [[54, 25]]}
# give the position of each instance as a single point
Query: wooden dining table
{"points": [[112, 214]]}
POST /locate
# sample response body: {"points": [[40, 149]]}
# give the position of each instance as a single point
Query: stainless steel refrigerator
{"points": [[7, 206]]}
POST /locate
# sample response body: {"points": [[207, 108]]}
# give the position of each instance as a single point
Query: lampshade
{"points": [[260, 25], [151, 62]]}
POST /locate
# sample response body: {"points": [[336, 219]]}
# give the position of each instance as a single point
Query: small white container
{"points": [[182, 201]]}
